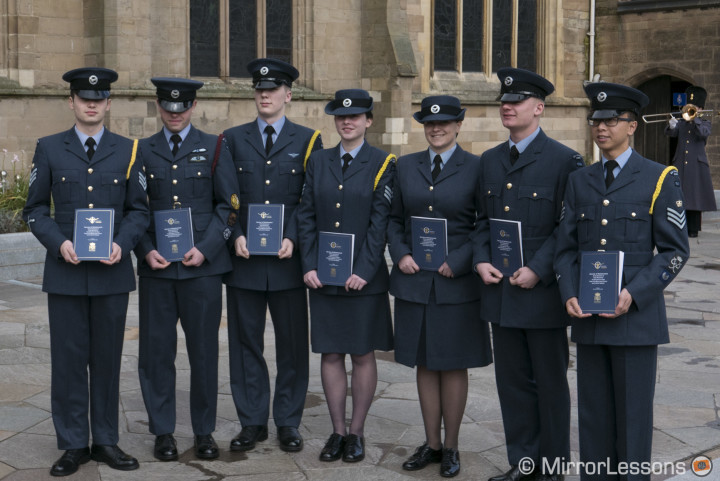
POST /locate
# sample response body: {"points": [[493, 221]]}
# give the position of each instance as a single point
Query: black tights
{"points": [[363, 383], [443, 395]]}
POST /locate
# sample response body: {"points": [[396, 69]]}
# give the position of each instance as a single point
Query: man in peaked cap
{"points": [[186, 170], [624, 203], [87, 167], [269, 156], [692, 162], [524, 180]]}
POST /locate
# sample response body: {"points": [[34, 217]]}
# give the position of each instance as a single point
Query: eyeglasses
{"points": [[611, 122]]}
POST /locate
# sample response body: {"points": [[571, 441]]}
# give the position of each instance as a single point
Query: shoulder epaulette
{"points": [[388, 159], [658, 186], [132, 158], [310, 148]]}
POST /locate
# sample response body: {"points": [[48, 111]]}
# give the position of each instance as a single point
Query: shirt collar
{"points": [[353, 152], [83, 137], [522, 145], [183, 134], [277, 126], [621, 159], [445, 156]]}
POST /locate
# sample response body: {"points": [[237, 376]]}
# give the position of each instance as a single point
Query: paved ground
{"points": [[687, 401]]}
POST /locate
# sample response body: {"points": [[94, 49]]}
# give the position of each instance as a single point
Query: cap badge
{"points": [[435, 109], [347, 103], [93, 79], [691, 96], [602, 97], [175, 94], [264, 71], [508, 81]]}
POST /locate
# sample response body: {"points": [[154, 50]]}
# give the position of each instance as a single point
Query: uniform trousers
{"points": [[197, 302], [616, 387], [249, 377], [86, 335], [531, 375]]}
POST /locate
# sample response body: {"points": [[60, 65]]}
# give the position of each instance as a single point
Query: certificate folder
{"points": [[600, 281], [429, 242], [93, 233], [265, 228], [173, 233], [335, 257], [506, 245]]}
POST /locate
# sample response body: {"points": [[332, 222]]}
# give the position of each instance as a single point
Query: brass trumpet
{"points": [[688, 113]]}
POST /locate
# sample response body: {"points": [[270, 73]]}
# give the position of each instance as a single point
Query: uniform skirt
{"points": [[441, 337], [350, 325]]}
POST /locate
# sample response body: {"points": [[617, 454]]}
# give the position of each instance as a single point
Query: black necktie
{"points": [[438, 167], [269, 131], [514, 155], [347, 158], [609, 175], [90, 142], [176, 139]]}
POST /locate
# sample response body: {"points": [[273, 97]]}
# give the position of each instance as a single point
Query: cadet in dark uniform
{"points": [[692, 162], [87, 167], [269, 155], [627, 203], [524, 180], [348, 189], [436, 323], [185, 168]]}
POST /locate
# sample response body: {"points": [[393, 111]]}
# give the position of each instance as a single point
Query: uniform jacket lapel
{"points": [[423, 165], [105, 148], [190, 144], [160, 146], [597, 177], [627, 174], [452, 166], [254, 138], [73, 145], [335, 166], [285, 137], [358, 163]]}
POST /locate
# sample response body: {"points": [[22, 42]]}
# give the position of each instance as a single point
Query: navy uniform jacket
{"points": [[620, 219], [692, 163], [188, 177], [353, 205], [531, 191], [277, 178], [61, 168], [455, 196]]}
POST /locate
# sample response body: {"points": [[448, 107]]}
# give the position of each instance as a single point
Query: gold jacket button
{"points": [[114, 181], [606, 202], [175, 198], [507, 208], [63, 179], [633, 214], [90, 188], [430, 188], [337, 224], [90, 171], [603, 242], [430, 208], [267, 201], [293, 171], [269, 162], [337, 206], [603, 222], [267, 182], [534, 194], [175, 167], [90, 206], [582, 216], [174, 181], [509, 186], [199, 173], [340, 187], [152, 176], [239, 168]]}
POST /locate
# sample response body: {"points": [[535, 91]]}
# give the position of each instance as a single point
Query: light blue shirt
{"points": [[183, 133], [445, 156], [621, 160], [522, 145], [277, 126], [353, 152], [83, 138]]}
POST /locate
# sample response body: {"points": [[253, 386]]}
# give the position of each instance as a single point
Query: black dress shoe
{"points": [[354, 449], [114, 457], [290, 439], [249, 435], [423, 456], [205, 447], [70, 462], [450, 465], [165, 448], [514, 474], [334, 448]]}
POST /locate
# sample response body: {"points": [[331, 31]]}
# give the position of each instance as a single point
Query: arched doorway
{"points": [[650, 139]]}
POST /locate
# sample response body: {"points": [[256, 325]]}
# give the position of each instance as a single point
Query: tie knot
{"points": [[90, 142], [347, 157], [176, 138], [437, 161], [269, 130], [611, 164]]}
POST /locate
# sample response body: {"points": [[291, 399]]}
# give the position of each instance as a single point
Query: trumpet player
{"points": [[691, 160]]}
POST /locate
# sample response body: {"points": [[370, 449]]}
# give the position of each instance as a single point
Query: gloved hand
{"points": [[672, 123]]}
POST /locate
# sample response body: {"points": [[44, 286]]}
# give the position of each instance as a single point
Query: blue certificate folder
{"points": [[265, 228], [335, 257], [429, 242], [506, 249], [173, 233], [600, 281], [93, 233]]}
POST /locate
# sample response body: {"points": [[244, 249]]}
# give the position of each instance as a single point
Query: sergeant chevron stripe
{"points": [[676, 217]]}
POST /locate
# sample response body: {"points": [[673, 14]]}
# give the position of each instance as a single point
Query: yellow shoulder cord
{"points": [[382, 169], [658, 187], [310, 148], [132, 159]]}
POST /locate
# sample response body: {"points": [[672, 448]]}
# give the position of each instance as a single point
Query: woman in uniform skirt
{"points": [[437, 327], [348, 189]]}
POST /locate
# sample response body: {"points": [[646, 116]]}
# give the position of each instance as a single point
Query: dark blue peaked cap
{"points": [[92, 83], [176, 94], [440, 108], [517, 84], [350, 102], [268, 73], [608, 100]]}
